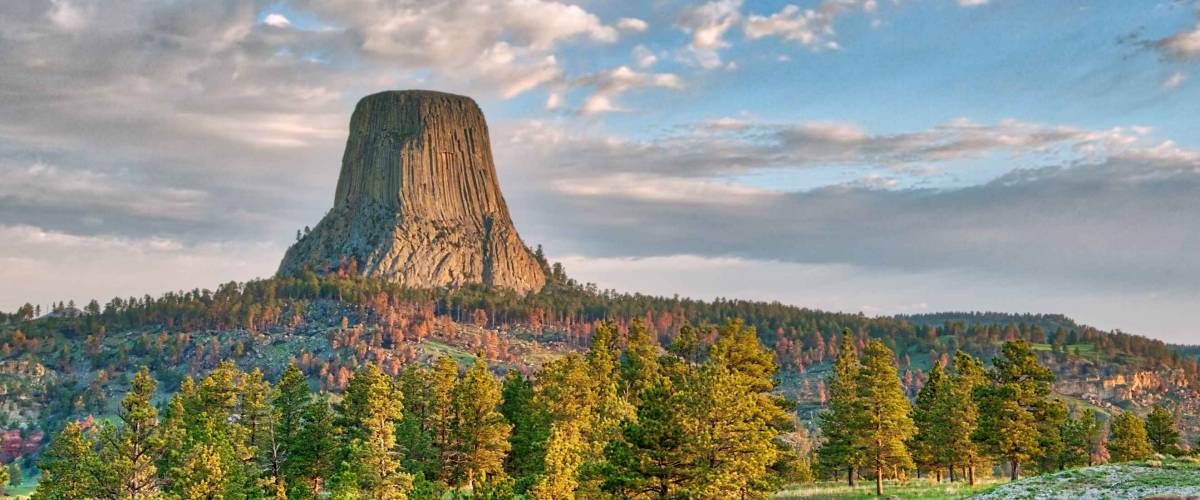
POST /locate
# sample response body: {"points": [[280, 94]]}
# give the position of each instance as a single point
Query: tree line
{"points": [[967, 416], [628, 418]]}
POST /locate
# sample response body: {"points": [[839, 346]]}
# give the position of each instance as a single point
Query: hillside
{"points": [[71, 363]]}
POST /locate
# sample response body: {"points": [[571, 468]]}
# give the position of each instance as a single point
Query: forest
{"points": [[327, 386], [626, 419]]}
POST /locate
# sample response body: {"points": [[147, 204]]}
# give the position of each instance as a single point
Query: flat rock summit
{"points": [[418, 201]]}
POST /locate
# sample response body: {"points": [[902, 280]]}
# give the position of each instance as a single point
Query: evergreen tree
{"points": [[735, 416], [1127, 439], [886, 421], [529, 433], [441, 419], [481, 433], [639, 365], [930, 416], [291, 398], [69, 467], [129, 450], [654, 456], [1012, 404], [1162, 431], [564, 455], [369, 410], [414, 433], [844, 415], [310, 461], [962, 414], [1078, 434]]}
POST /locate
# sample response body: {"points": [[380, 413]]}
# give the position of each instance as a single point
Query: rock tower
{"points": [[418, 201]]}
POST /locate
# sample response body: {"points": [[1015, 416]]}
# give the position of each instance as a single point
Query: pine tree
{"points": [[564, 455], [129, 451], [443, 378], [256, 417], [735, 416], [930, 416], [310, 461], [962, 414], [481, 433], [529, 433], [1162, 431], [69, 467], [639, 365], [369, 411], [886, 422], [654, 456], [1012, 404], [414, 434], [291, 398], [844, 414], [1078, 435], [1127, 439]]}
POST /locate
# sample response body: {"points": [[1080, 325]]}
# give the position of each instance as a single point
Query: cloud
{"points": [[708, 24], [1182, 45], [972, 3], [732, 146], [608, 85], [277, 20], [1174, 81], [813, 28], [53, 265], [632, 24], [645, 57]]}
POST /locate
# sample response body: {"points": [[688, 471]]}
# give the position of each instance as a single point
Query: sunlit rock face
{"points": [[418, 200]]}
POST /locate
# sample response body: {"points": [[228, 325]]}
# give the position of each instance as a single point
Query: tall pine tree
{"points": [[886, 418], [840, 421]]}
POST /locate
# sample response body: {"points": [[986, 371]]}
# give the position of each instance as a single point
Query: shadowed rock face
{"points": [[418, 201]]}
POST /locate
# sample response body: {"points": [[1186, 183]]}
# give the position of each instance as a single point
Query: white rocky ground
{"points": [[1109, 482]]}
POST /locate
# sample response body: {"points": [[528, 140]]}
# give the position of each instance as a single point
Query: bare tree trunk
{"points": [[878, 481], [952, 473], [1016, 469], [971, 475], [850, 476]]}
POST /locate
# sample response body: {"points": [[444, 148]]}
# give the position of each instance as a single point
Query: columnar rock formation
{"points": [[418, 201]]}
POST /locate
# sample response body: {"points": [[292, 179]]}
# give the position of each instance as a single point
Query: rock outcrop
{"points": [[418, 201]]}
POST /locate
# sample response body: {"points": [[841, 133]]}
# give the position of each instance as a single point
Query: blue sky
{"points": [[875, 156]]}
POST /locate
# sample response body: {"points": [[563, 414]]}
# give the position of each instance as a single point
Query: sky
{"points": [[875, 156]]}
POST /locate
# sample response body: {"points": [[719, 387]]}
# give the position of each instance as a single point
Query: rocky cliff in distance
{"points": [[418, 201]]}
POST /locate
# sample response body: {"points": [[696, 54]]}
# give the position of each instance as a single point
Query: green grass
{"points": [[912, 489], [1085, 349]]}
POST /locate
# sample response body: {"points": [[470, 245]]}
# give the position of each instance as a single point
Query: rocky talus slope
{"points": [[418, 200]]}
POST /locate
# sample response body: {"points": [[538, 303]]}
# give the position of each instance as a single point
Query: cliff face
{"points": [[418, 201]]}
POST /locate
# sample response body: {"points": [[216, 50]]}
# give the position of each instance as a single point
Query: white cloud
{"points": [[662, 189], [1182, 45], [277, 20], [972, 3], [479, 45], [708, 24], [610, 84], [810, 27], [1174, 81], [644, 57], [632, 24], [67, 16], [53, 265]]}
